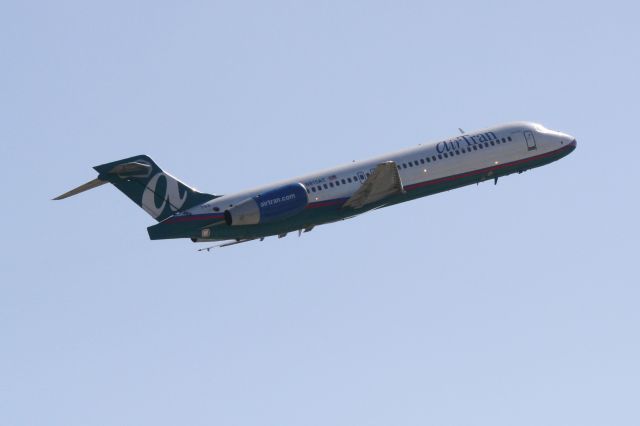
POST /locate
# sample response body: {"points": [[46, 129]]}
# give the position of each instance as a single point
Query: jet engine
{"points": [[270, 206]]}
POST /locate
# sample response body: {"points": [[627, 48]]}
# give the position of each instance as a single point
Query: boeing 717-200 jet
{"points": [[301, 203]]}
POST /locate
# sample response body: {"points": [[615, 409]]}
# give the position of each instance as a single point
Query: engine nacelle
{"points": [[270, 206]]}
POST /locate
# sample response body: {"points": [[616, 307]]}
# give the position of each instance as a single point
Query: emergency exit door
{"points": [[530, 140]]}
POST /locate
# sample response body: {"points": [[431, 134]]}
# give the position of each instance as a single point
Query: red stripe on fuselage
{"points": [[455, 177], [487, 169]]}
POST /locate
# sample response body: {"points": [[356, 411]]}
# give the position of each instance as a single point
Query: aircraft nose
{"points": [[568, 141]]}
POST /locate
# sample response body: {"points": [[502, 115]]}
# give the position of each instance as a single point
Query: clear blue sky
{"points": [[515, 304]]}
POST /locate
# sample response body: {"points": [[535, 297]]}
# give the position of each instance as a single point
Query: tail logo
{"points": [[171, 196]]}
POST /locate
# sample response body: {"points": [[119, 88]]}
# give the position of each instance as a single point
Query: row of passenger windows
{"points": [[444, 155], [431, 159], [338, 182]]}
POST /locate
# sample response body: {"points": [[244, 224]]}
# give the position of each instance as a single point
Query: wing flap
{"points": [[383, 182]]}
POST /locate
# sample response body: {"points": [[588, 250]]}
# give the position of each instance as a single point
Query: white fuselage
{"points": [[464, 153]]}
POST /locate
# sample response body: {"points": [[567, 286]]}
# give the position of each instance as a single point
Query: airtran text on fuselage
{"points": [[465, 141], [274, 201]]}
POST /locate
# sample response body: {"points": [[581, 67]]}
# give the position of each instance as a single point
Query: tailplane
{"points": [[139, 178]]}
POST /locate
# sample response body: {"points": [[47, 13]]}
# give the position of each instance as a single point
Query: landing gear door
{"points": [[531, 140]]}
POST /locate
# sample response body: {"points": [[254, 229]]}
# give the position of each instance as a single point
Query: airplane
{"points": [[302, 203]]}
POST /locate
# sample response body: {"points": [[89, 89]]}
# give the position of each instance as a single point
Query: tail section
{"points": [[139, 178]]}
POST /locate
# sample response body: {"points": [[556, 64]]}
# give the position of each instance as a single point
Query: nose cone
{"points": [[567, 142]]}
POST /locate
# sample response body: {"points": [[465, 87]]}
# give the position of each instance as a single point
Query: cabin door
{"points": [[531, 141]]}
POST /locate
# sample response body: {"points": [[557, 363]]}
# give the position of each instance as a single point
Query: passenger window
{"points": [[457, 152], [475, 148], [428, 160], [509, 138], [445, 155], [344, 182], [493, 143], [422, 161], [440, 156], [325, 186], [337, 183], [433, 158], [349, 180], [331, 184], [313, 189], [503, 141]]}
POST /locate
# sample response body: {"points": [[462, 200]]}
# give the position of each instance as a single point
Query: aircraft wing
{"points": [[383, 182]]}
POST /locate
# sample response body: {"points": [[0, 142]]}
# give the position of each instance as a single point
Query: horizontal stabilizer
{"points": [[146, 184], [85, 187], [122, 171]]}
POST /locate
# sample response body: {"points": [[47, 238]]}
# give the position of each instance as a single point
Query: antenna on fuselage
{"points": [[462, 132]]}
